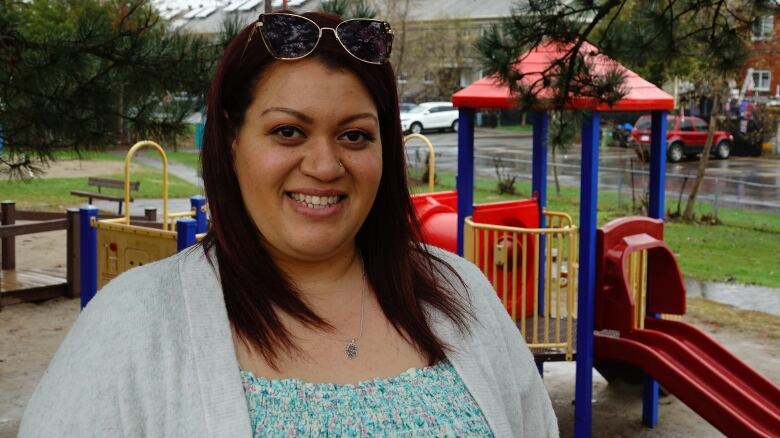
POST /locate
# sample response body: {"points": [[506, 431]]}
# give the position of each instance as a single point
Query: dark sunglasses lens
{"points": [[366, 39], [289, 36]]}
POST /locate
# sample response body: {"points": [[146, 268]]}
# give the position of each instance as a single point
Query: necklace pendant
{"points": [[352, 349]]}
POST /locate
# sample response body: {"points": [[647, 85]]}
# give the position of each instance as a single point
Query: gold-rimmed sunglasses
{"points": [[290, 37]]}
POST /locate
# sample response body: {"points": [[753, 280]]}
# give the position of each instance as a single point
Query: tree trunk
{"points": [[555, 173], [688, 215]]}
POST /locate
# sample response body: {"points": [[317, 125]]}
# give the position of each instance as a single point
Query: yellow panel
{"points": [[120, 250]]}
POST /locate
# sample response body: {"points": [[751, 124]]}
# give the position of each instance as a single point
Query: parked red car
{"points": [[684, 136]]}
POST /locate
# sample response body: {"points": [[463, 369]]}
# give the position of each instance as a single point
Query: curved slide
{"points": [[691, 365]]}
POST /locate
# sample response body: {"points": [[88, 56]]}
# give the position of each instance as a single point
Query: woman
{"points": [[310, 308]]}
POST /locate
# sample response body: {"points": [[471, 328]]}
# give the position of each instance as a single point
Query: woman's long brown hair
{"points": [[401, 270]]}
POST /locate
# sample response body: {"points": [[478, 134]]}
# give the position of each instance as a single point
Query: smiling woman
{"points": [[311, 307], [309, 160]]}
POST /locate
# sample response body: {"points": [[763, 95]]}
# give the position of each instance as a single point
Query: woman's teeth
{"points": [[312, 201]]}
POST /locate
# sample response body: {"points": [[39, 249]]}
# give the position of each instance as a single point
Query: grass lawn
{"points": [[744, 248], [54, 193], [187, 157], [515, 128], [88, 155]]}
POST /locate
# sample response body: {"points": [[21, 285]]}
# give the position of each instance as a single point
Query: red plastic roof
{"points": [[490, 93]]}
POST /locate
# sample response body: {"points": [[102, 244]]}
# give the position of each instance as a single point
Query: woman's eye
{"points": [[287, 132], [357, 136]]}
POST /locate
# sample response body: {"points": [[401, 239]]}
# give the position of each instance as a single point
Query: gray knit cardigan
{"points": [[152, 356]]}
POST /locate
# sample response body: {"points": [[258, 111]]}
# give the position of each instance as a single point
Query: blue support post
{"points": [[539, 187], [649, 401], [657, 165], [465, 178], [185, 233], [539, 171], [656, 210], [198, 204], [587, 275], [87, 253]]}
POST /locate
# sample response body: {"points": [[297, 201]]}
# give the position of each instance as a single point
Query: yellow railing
{"points": [[637, 283], [431, 158], [128, 159], [511, 258]]}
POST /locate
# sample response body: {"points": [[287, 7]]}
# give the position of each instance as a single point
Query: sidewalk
{"points": [[184, 172], [137, 207]]}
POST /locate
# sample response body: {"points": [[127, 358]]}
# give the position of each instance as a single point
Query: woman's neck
{"points": [[336, 279]]}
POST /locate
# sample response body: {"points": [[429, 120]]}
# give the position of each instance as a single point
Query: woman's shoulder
{"points": [[146, 299], [152, 283], [463, 277]]}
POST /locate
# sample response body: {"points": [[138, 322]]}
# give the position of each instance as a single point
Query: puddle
{"points": [[763, 299]]}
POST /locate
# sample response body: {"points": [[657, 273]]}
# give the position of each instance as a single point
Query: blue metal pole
{"points": [[87, 253], [587, 275], [656, 210], [657, 165], [198, 203], [539, 187], [185, 233], [465, 178], [539, 170]]}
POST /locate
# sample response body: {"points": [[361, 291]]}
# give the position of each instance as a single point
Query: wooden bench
{"points": [[107, 183]]}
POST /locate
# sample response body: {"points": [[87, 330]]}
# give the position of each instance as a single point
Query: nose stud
{"points": [[341, 166]]}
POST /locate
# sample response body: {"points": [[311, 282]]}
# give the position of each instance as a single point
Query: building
{"points": [[433, 50], [764, 59]]}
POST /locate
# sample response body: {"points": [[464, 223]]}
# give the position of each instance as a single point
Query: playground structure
{"points": [[624, 289], [528, 265], [109, 247]]}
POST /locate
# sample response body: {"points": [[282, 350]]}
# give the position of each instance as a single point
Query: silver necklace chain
{"points": [[351, 350]]}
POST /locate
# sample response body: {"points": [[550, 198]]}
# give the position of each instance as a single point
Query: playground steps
{"points": [[24, 286]]}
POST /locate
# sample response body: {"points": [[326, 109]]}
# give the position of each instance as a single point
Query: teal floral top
{"points": [[430, 401]]}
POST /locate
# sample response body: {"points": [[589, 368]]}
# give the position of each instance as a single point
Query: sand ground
{"points": [[31, 333]]}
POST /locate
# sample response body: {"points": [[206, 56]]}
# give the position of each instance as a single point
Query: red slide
{"points": [[691, 365]]}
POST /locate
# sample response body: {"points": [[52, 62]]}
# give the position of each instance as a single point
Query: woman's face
{"points": [[309, 159]]}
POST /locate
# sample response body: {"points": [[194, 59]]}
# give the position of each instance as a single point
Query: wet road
{"points": [[738, 181]]}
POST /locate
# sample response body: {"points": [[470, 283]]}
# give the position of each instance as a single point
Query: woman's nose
{"points": [[321, 161]]}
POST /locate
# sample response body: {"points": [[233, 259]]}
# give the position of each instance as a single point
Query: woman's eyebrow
{"points": [[352, 118], [290, 111]]}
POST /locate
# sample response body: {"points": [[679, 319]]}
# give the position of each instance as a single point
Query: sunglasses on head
{"points": [[289, 37]]}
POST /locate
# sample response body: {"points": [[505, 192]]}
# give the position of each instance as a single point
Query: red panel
{"points": [[437, 213], [522, 214], [615, 306]]}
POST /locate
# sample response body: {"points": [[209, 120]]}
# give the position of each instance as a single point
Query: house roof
{"points": [[209, 19], [489, 92], [429, 10], [419, 11]]}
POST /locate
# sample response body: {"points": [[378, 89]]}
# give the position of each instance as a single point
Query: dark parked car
{"points": [[684, 136]]}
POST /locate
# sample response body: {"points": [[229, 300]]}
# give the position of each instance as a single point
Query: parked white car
{"points": [[430, 115]]}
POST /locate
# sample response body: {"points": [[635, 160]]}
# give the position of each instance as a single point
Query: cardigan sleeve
{"points": [[517, 383], [539, 419], [124, 368], [76, 396]]}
